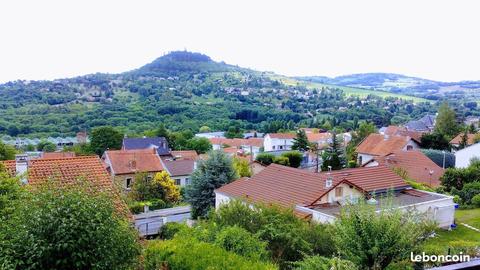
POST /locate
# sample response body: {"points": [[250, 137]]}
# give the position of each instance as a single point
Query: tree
{"points": [[301, 142], [446, 123], [464, 140], [233, 132], [373, 240], [10, 191], [170, 192], [210, 174], [281, 160], [435, 141], [333, 156], [204, 129], [104, 138], [364, 130], [201, 145], [67, 227], [265, 158], [324, 263], [241, 242], [472, 129], [7, 152], [242, 167]]}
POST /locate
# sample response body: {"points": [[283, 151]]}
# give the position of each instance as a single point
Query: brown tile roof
{"points": [[179, 167], [132, 161], [402, 131], [380, 145], [9, 166], [458, 139], [282, 135], [258, 142], [315, 137], [52, 155], [416, 164], [290, 186], [185, 154]]}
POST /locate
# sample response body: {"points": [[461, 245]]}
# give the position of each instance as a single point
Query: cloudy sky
{"points": [[433, 39]]}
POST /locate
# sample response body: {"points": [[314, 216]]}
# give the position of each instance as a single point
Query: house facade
{"points": [[250, 146], [278, 141], [464, 157], [321, 196]]}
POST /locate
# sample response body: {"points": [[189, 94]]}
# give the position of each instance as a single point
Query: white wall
{"points": [[220, 199], [463, 157], [274, 144], [183, 179], [411, 143], [365, 158]]}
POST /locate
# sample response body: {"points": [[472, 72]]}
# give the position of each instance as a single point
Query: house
{"points": [[322, 140], [455, 142], [123, 165], [82, 137], [321, 196], [278, 141], [375, 145], [416, 165], [208, 135], [472, 120], [424, 124], [402, 131], [464, 157], [158, 143], [245, 146], [180, 166]]}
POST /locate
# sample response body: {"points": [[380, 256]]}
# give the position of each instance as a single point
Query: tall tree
{"points": [[104, 138], [7, 152], [210, 174], [242, 167], [464, 140], [446, 123], [333, 155], [301, 142]]}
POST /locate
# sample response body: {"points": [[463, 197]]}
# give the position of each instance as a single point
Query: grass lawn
{"points": [[444, 238]]}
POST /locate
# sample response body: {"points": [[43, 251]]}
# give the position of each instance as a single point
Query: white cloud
{"points": [[433, 39]]}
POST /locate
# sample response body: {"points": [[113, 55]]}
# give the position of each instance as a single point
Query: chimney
{"points": [[21, 167], [133, 164]]}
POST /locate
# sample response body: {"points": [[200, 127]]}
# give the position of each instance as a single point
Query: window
{"points": [[273, 147], [339, 192], [281, 147], [178, 182], [360, 159], [187, 181], [409, 147], [128, 183]]}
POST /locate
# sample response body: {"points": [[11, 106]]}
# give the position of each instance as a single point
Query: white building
{"points": [[464, 156], [378, 145], [278, 141]]}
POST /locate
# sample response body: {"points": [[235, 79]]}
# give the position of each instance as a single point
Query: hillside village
{"points": [[166, 182]]}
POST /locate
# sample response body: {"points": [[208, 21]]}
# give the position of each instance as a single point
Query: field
{"points": [[349, 91]]}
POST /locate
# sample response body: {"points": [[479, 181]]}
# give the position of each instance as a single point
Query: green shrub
{"points": [[476, 200], [190, 254], [241, 242], [281, 160], [265, 158], [323, 263], [437, 157], [170, 229], [136, 207], [294, 158], [469, 191], [158, 204]]}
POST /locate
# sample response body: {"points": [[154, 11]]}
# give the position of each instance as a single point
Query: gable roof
{"points": [[290, 186], [185, 154], [458, 139], [132, 161], [315, 137], [160, 143], [51, 155], [403, 131], [237, 142], [380, 145], [282, 135], [179, 167], [416, 164]]}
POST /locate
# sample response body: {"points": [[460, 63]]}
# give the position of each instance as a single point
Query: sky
{"points": [[433, 39]]}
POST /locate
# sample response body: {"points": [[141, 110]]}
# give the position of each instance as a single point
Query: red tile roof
{"points": [[52, 155], [416, 164], [185, 154], [290, 186], [132, 161], [256, 142], [402, 131], [282, 135], [458, 139], [179, 167], [315, 137], [380, 145]]}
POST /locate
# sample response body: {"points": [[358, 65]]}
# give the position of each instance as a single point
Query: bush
{"points": [[294, 158], [265, 158], [158, 204], [241, 242], [136, 207], [170, 229], [281, 160], [190, 254], [437, 157], [476, 200], [323, 263]]}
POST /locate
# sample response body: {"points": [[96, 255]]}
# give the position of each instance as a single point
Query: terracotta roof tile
{"points": [[132, 161], [185, 154], [380, 145], [51, 155], [416, 164], [289, 186], [256, 142], [458, 139], [282, 135], [315, 137], [179, 167]]}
